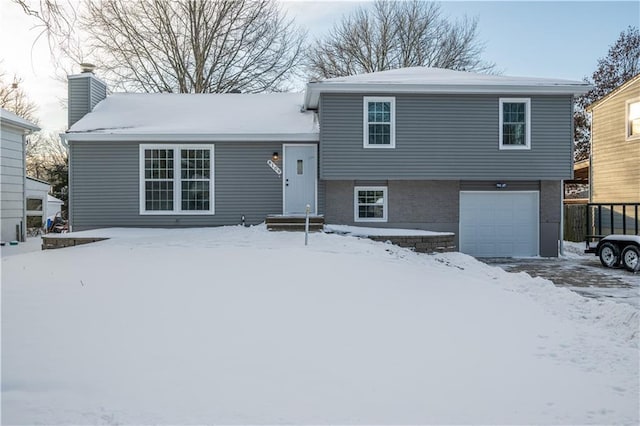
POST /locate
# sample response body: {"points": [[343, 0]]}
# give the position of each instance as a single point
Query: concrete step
{"points": [[294, 223], [294, 227]]}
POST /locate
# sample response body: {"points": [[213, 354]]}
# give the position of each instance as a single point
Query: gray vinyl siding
{"points": [[12, 172], [78, 99], [445, 137], [98, 92], [104, 186], [84, 93]]}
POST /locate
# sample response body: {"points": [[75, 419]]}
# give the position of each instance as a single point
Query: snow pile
{"points": [[240, 325]]}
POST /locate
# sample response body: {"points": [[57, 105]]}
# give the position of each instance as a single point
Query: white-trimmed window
{"points": [[176, 179], [633, 119], [515, 123], [379, 122], [370, 204]]}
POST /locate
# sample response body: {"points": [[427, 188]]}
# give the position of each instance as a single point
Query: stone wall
{"points": [[49, 243], [422, 243]]}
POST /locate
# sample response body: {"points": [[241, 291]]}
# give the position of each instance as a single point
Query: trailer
{"points": [[617, 249]]}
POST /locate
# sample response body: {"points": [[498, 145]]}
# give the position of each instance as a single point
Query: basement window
{"points": [[370, 204]]}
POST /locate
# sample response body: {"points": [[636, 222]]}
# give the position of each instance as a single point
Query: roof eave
{"points": [[23, 124], [313, 90], [612, 93], [187, 137]]}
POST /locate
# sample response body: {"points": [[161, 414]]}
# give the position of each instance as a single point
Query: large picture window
{"points": [[370, 204], [379, 122], [515, 123], [176, 179]]}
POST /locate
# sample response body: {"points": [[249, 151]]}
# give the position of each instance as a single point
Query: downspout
{"points": [[590, 160], [562, 217], [23, 223], [65, 142]]}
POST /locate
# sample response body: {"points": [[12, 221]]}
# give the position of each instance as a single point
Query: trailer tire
{"points": [[609, 255], [630, 258]]}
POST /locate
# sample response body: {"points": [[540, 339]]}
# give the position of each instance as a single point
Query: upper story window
{"points": [[379, 122], [633, 119], [176, 179], [515, 123]]}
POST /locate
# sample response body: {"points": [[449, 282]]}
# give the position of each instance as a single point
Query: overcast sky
{"points": [[540, 39]]}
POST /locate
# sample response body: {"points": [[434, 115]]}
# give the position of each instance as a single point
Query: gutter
{"points": [[199, 137], [314, 90]]}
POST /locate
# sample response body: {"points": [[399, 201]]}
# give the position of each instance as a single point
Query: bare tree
{"points": [[186, 46], [14, 99], [392, 35], [43, 152], [57, 21], [620, 65], [48, 160]]}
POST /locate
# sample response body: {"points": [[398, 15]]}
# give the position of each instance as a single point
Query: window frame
{"points": [[385, 203], [627, 122], [177, 180], [42, 205], [365, 119], [527, 123]]}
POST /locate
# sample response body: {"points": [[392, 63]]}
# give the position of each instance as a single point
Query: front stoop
{"points": [[294, 223]]}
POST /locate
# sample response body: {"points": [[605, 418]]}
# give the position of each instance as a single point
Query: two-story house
{"points": [[481, 156], [615, 145]]}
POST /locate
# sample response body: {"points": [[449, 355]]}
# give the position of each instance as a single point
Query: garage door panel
{"points": [[496, 224]]}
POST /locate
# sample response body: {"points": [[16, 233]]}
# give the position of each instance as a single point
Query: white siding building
{"points": [[13, 132]]}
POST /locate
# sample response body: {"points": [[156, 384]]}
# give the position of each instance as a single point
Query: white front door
{"points": [[300, 172], [499, 224]]}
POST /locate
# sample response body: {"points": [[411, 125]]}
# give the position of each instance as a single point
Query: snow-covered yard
{"points": [[240, 325]]}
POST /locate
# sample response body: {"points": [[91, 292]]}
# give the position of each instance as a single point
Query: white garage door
{"points": [[497, 224]]}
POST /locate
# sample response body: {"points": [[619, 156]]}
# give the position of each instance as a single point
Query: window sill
{"points": [[379, 146], [514, 148], [175, 213]]}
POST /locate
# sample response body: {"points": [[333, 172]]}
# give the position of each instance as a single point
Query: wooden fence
{"points": [[575, 222]]}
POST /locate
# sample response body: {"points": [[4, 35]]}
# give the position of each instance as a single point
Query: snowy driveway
{"points": [[581, 273], [243, 326]]}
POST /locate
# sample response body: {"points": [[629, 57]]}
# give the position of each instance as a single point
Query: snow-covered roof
{"points": [[9, 118], [52, 199], [37, 180], [438, 80], [225, 117]]}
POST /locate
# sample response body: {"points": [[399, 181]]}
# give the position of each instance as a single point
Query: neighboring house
{"points": [[615, 145], [40, 205], [13, 132], [54, 207], [482, 156]]}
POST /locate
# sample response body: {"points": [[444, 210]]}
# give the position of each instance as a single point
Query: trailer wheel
{"points": [[630, 256], [609, 255]]}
